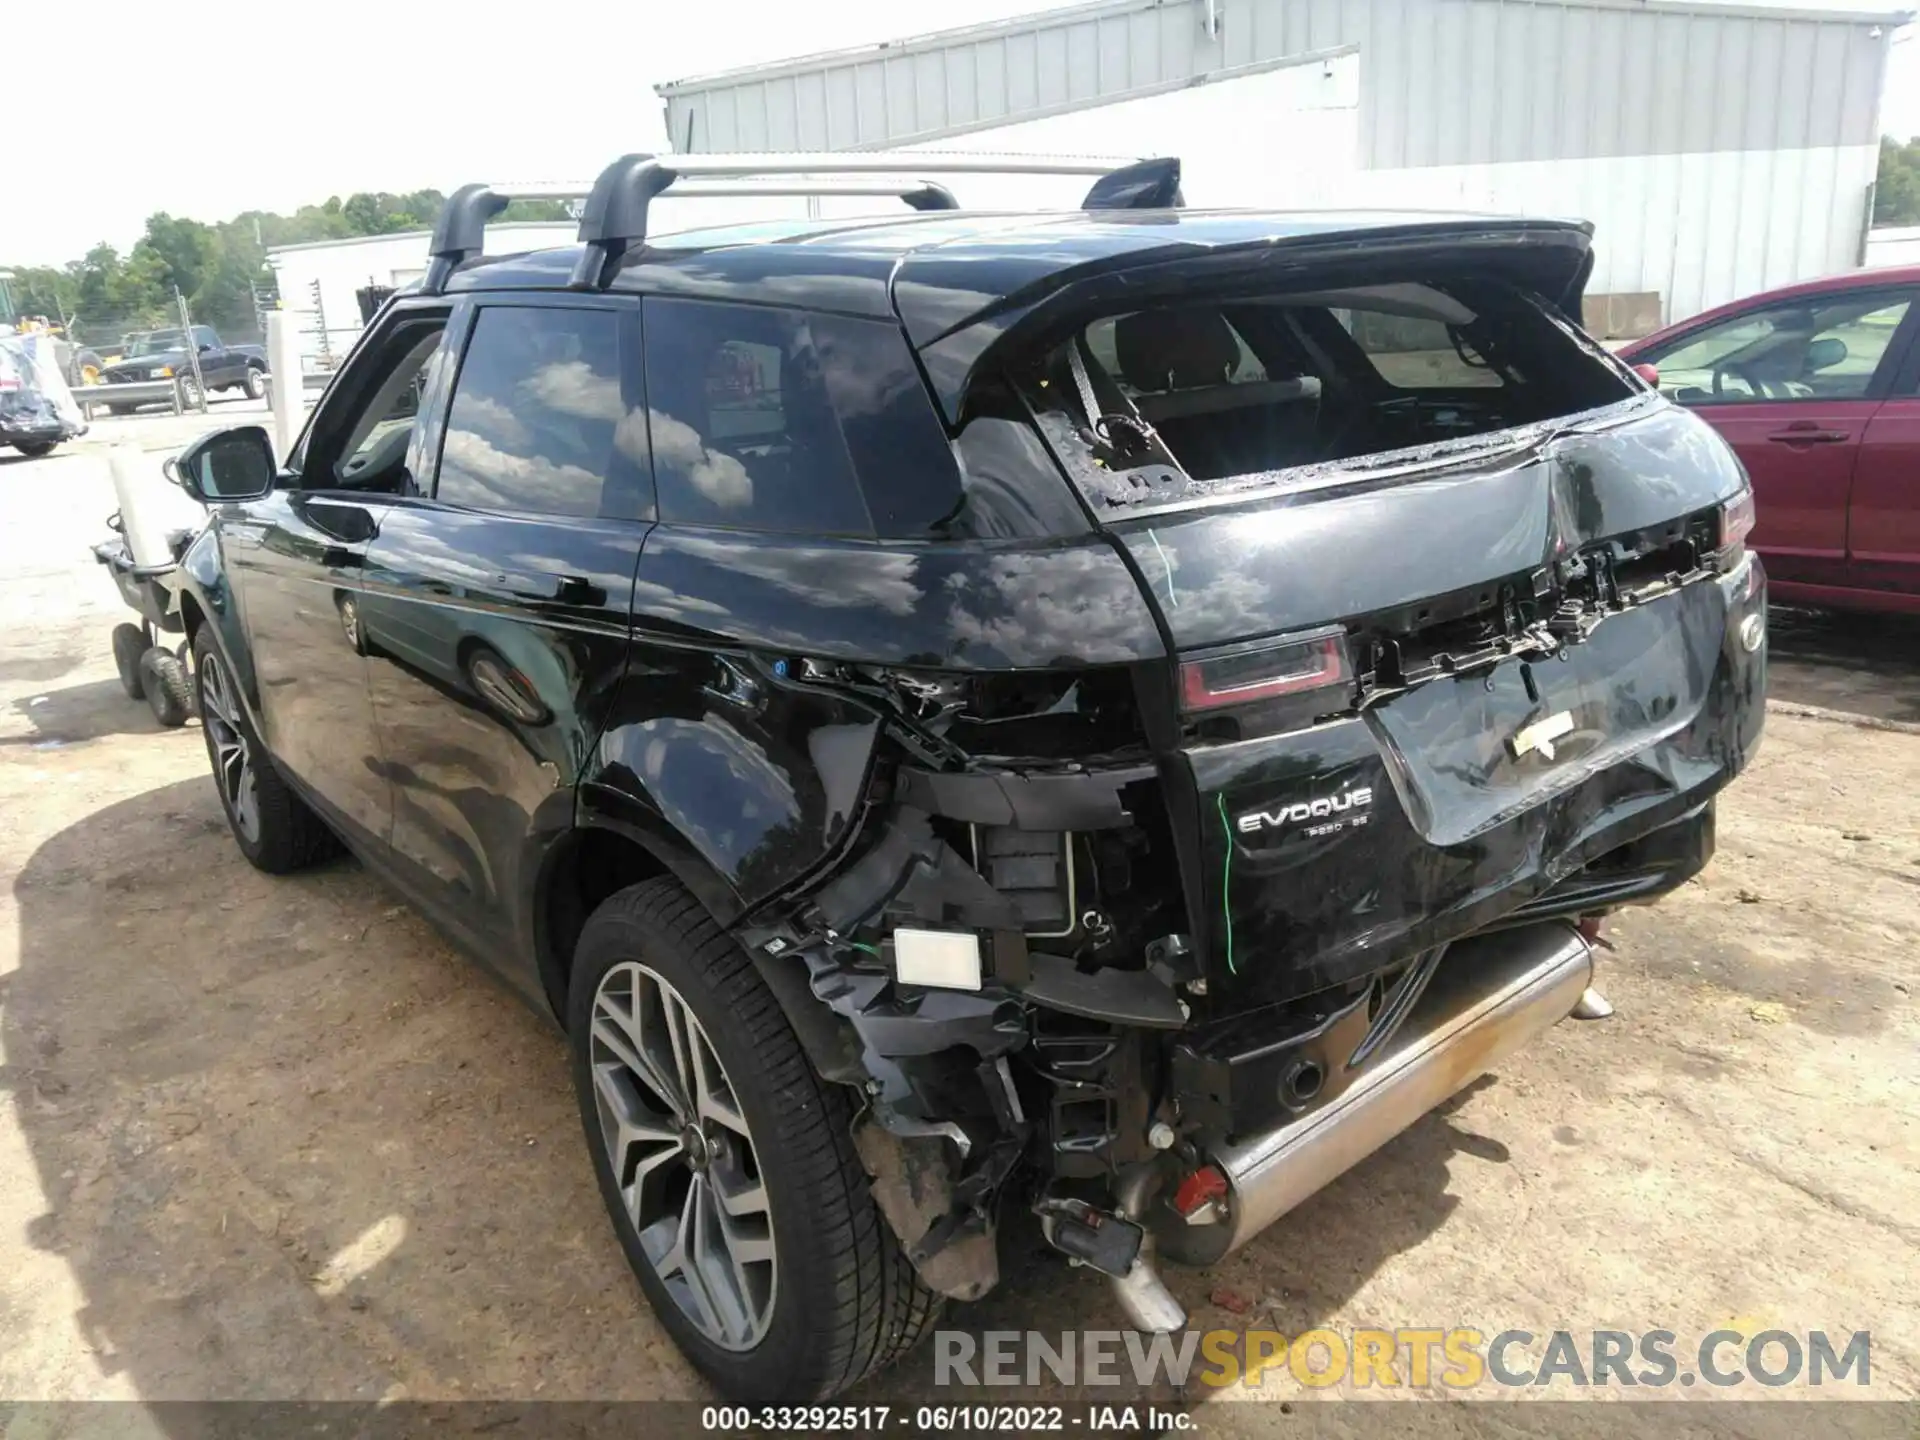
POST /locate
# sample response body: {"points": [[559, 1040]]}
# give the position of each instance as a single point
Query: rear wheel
{"points": [[167, 687], [129, 646], [275, 829], [255, 383], [725, 1162]]}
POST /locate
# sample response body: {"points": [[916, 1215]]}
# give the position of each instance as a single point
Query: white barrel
{"points": [[152, 507]]}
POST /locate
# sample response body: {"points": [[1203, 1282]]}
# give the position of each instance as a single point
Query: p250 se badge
{"points": [[1319, 816]]}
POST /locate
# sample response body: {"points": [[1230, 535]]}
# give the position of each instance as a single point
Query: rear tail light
{"points": [[1265, 672], [1736, 523]]}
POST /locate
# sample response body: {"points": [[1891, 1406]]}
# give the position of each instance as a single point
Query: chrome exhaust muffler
{"points": [[1491, 996]]}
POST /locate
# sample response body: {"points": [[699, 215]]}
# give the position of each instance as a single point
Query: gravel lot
{"points": [[269, 1138]]}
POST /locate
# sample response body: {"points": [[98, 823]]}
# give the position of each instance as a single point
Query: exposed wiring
{"points": [[871, 950], [1226, 882]]}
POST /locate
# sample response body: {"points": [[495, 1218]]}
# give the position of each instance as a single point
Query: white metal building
{"points": [[1718, 148], [341, 268]]}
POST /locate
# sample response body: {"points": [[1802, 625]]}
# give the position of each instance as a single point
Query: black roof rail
{"points": [[614, 217]]}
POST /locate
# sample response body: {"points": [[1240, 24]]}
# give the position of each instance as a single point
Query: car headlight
{"points": [[165, 372]]}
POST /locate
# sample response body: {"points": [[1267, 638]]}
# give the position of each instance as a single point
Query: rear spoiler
{"points": [[1553, 258]]}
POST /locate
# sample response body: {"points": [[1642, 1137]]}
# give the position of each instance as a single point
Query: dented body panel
{"points": [[1304, 616]]}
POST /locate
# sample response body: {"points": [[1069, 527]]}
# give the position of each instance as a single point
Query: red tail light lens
{"points": [[1266, 672], [1736, 523]]}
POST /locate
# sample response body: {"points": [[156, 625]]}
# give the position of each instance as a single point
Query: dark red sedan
{"points": [[1817, 387]]}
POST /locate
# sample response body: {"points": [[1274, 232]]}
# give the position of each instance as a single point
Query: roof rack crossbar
{"points": [[614, 216]]}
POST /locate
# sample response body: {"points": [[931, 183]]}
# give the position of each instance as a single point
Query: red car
{"points": [[1817, 387]]}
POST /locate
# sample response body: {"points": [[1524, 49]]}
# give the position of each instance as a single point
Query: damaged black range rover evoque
{"points": [[1101, 716]]}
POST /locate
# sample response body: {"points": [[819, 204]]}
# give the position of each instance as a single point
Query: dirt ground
{"points": [[272, 1138]]}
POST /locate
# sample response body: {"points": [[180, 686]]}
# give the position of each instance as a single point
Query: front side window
{"points": [[542, 421], [1822, 349], [362, 434], [1419, 352]]}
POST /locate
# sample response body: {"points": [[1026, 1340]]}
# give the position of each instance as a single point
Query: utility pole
{"points": [[193, 352], [320, 319]]}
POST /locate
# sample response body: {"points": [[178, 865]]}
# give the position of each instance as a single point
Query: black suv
{"points": [[1098, 718]]}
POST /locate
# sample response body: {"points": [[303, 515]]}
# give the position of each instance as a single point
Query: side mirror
{"points": [[204, 348], [235, 464], [1825, 353]]}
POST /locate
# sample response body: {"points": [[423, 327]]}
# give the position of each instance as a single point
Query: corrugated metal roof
{"points": [[1444, 82]]}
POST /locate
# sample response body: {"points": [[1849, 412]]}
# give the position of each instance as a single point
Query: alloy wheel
{"points": [[682, 1156], [232, 755]]}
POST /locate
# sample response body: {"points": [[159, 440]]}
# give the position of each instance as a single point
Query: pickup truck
{"points": [[161, 354]]}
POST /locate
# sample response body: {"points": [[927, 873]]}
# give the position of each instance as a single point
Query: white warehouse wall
{"points": [[1697, 229], [1894, 245]]}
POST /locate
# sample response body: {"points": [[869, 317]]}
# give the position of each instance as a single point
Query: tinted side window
{"points": [[541, 421], [897, 444], [1417, 353], [744, 432], [1822, 348]]}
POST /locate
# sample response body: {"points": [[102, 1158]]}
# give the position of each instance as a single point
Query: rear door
{"points": [[1884, 526], [1793, 386], [496, 607]]}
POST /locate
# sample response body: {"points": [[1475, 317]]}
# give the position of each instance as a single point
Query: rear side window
{"points": [[1826, 348], [1418, 352], [799, 424], [542, 422]]}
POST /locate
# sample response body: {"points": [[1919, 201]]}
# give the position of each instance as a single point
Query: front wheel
{"points": [[275, 829], [725, 1162]]}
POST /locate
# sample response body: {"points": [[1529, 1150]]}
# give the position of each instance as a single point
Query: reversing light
{"points": [[1290, 667], [1736, 523]]}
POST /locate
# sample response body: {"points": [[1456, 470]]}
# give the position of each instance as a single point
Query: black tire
{"points": [[34, 449], [168, 688], [289, 835], [255, 383], [846, 1301], [129, 647], [87, 366]]}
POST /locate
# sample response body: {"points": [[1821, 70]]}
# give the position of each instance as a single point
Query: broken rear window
{"points": [[1196, 398]]}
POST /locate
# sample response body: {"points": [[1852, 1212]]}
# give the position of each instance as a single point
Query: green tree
{"points": [[215, 266], [1896, 188]]}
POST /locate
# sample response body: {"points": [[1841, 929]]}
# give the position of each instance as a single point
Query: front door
{"points": [[298, 562], [496, 609], [1792, 385], [1884, 528]]}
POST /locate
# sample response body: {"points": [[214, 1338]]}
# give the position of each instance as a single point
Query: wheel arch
{"points": [[603, 855], [206, 604]]}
